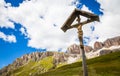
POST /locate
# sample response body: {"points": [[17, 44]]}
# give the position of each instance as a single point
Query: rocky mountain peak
{"points": [[88, 48], [35, 56], [75, 49], [72, 54], [112, 42], [98, 45], [60, 57]]}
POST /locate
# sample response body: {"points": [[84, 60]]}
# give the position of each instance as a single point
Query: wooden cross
{"points": [[67, 25]]}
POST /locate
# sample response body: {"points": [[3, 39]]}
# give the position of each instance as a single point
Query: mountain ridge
{"points": [[72, 55]]}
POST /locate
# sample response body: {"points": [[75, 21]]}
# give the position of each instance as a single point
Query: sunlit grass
{"points": [[32, 67], [107, 65]]}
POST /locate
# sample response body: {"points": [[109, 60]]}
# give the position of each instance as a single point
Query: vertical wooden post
{"points": [[80, 36]]}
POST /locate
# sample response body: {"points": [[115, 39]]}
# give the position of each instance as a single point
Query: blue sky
{"points": [[23, 31], [10, 51]]}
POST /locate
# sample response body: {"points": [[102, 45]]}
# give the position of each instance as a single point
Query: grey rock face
{"points": [[60, 57], [104, 52], [98, 45], [88, 48], [73, 49], [112, 42], [35, 56]]}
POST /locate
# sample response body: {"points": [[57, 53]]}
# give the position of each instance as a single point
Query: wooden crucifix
{"points": [[67, 25]]}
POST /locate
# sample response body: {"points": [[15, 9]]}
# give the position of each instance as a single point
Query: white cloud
{"points": [[8, 38], [86, 9], [41, 31], [23, 31], [109, 23], [4, 19]]}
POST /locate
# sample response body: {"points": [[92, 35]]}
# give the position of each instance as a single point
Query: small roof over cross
{"points": [[76, 13]]}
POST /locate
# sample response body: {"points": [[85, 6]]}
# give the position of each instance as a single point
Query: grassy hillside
{"points": [[32, 68], [107, 65]]}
